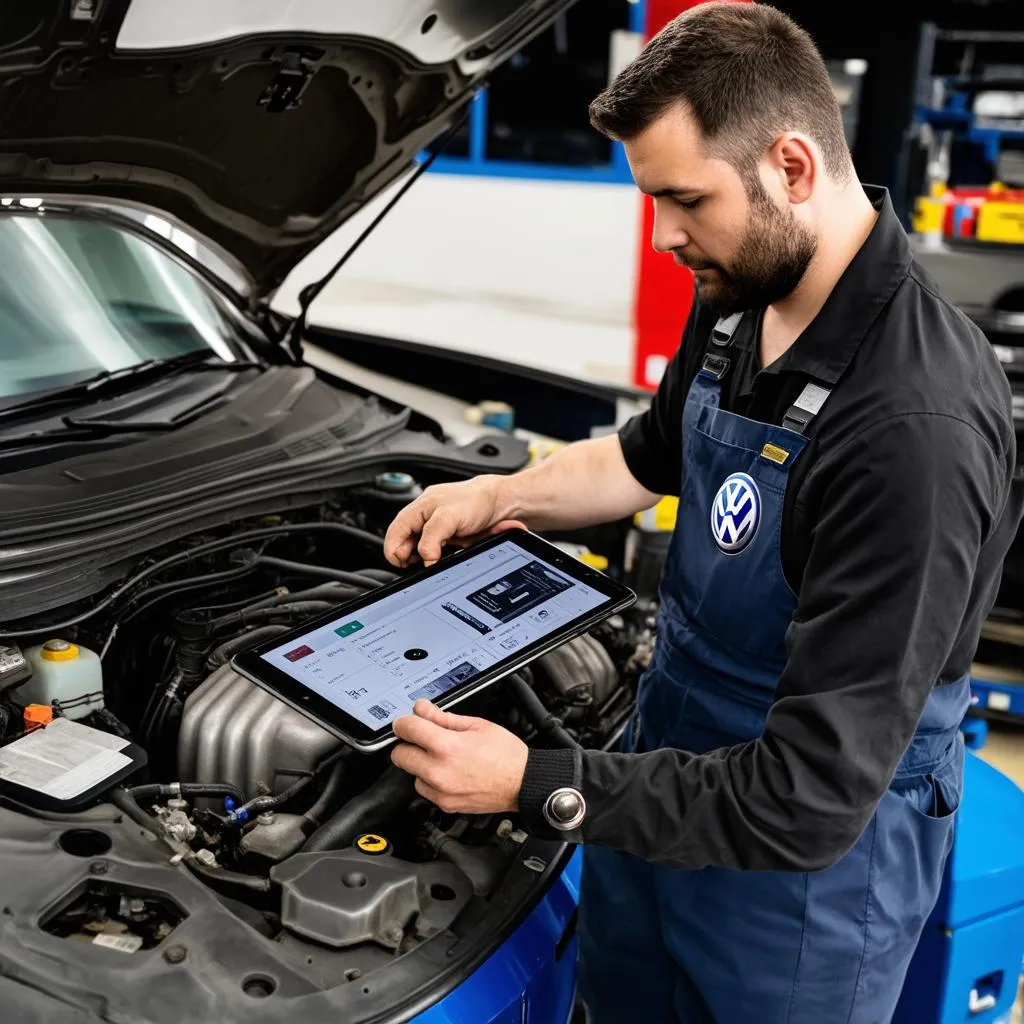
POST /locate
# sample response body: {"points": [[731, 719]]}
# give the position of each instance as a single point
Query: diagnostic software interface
{"points": [[422, 641]]}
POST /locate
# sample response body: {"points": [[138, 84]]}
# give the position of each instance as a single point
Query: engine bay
{"points": [[249, 837]]}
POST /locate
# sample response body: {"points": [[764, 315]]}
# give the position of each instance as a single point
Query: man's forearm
{"points": [[583, 484]]}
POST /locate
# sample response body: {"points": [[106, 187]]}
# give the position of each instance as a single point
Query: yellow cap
{"points": [[58, 650], [598, 562], [373, 844]]}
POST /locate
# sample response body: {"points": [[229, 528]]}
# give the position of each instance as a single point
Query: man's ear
{"points": [[796, 162]]}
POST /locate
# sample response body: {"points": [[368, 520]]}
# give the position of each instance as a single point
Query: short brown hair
{"points": [[746, 72]]}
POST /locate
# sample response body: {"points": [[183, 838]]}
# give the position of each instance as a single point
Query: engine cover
{"points": [[232, 731], [343, 897]]}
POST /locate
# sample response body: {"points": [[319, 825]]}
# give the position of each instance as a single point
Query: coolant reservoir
{"points": [[65, 672]]}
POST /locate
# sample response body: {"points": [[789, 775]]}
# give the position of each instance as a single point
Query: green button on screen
{"points": [[349, 628]]}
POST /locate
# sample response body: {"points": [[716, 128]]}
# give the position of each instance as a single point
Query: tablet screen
{"points": [[434, 635]]}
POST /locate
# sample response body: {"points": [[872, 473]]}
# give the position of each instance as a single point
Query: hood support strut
{"points": [[291, 337]]}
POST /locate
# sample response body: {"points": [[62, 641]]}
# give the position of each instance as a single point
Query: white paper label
{"points": [[999, 701], [63, 760], [122, 943], [812, 398]]}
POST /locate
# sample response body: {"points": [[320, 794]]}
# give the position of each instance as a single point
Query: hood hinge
{"points": [[288, 85]]}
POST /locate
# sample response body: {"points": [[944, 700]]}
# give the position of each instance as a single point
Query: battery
{"points": [[66, 766]]}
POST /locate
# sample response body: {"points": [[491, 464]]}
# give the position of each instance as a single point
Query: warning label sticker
{"points": [[122, 943]]}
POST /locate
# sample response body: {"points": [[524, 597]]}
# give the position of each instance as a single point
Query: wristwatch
{"points": [[565, 809]]}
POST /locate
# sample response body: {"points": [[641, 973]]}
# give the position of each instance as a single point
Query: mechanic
{"points": [[771, 837]]}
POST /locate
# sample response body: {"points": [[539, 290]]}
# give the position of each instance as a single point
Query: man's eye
{"points": [[689, 204]]}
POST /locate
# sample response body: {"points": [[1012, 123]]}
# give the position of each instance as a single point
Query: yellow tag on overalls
{"points": [[773, 453]]}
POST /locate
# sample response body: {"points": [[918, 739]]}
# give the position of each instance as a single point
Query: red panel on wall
{"points": [[664, 296], [664, 292]]}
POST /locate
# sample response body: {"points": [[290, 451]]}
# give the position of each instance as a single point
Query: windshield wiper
{"points": [[113, 381], [78, 434], [84, 430]]}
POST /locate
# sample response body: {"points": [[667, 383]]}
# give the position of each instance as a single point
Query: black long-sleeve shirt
{"points": [[896, 520]]}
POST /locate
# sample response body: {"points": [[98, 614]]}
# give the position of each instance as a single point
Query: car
{"points": [[186, 470]]}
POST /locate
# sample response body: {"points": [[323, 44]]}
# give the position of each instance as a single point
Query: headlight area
{"points": [[255, 864]]}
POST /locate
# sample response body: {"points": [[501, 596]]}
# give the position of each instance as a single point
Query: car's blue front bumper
{"points": [[532, 976]]}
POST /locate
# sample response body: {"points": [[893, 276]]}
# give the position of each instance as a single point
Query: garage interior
{"points": [[921, 86]]}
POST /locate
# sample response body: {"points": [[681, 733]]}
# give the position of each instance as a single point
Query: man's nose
{"points": [[668, 233]]}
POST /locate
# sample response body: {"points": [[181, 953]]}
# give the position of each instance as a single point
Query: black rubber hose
{"points": [[223, 654], [126, 803], [314, 817], [112, 722], [269, 802], [534, 709], [211, 789], [324, 572], [481, 865], [381, 575], [225, 880], [390, 794], [189, 556], [333, 591], [251, 617], [245, 602], [259, 804], [153, 725], [156, 791], [174, 587]]}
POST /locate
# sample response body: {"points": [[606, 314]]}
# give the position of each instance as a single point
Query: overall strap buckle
{"points": [[716, 363], [802, 412], [715, 366], [723, 331]]}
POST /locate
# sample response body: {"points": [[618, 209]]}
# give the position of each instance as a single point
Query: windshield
{"points": [[78, 297]]}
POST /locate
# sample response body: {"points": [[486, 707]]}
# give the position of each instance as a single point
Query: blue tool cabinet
{"points": [[967, 965]]}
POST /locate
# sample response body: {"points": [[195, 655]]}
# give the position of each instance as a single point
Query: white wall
{"points": [[540, 272]]}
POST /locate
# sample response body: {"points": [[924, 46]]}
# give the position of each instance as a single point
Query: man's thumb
{"points": [[445, 719]]}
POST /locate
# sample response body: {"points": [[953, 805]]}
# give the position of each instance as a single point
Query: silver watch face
{"points": [[565, 809]]}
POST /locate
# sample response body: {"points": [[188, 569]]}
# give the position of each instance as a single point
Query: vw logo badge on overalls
{"points": [[735, 513]]}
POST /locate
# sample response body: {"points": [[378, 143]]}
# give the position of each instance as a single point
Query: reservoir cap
{"points": [[373, 844], [58, 650], [36, 715]]}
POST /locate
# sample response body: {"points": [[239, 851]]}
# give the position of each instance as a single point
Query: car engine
{"points": [[329, 855]]}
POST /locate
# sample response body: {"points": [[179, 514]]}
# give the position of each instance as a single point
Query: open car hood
{"points": [[259, 125]]}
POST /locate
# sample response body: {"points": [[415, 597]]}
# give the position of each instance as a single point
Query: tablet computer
{"points": [[442, 633]]}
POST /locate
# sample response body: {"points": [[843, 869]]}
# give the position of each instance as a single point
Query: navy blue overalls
{"points": [[715, 945]]}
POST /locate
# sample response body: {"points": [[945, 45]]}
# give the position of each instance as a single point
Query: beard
{"points": [[770, 262]]}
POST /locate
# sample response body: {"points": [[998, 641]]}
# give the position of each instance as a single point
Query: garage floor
{"points": [[1005, 751]]}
